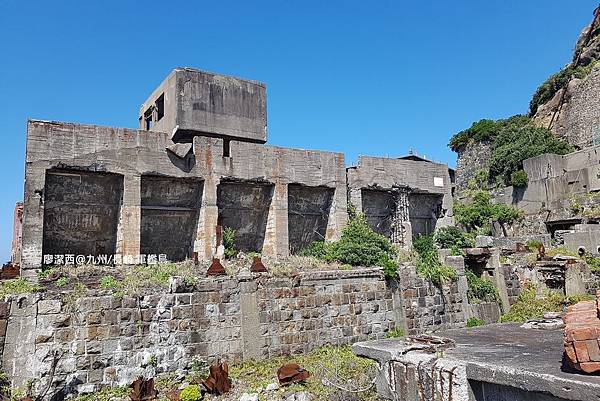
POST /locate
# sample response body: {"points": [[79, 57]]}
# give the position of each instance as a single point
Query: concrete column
{"points": [[206, 237], [498, 279], [128, 231], [277, 242], [574, 284], [338, 214], [33, 222]]}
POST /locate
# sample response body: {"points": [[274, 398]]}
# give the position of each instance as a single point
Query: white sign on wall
{"points": [[438, 182]]}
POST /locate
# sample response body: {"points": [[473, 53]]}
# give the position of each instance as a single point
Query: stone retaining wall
{"points": [[99, 339]]}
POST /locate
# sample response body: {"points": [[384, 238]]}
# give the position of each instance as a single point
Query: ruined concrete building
{"points": [[199, 162]]}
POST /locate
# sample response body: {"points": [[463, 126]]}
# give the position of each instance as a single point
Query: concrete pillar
{"points": [[498, 279], [128, 231], [33, 222], [574, 284], [276, 242], [401, 227], [338, 213], [206, 237]]}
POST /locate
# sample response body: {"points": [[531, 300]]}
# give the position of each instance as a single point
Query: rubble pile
{"points": [[582, 336]]}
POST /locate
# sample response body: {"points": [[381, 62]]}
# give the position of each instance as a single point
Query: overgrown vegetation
{"points": [[475, 322], [485, 131], [519, 179], [325, 364], [531, 305], [428, 263], [191, 393], [229, 242], [477, 215], [480, 289], [556, 82], [452, 237], [398, 332], [359, 245], [18, 286], [514, 144], [512, 140]]}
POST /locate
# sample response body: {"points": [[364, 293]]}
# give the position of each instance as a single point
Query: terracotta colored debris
{"points": [[216, 268], [582, 336], [218, 381], [258, 266], [292, 373], [142, 390], [9, 271]]}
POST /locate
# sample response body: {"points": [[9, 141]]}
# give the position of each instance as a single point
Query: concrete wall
{"points": [[211, 104], [15, 254], [96, 339], [471, 159], [134, 155], [425, 180]]}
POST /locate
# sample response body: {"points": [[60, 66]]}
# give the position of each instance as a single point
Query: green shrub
{"points": [[191, 393], [485, 131], [450, 236], [480, 212], [480, 290], [480, 181], [317, 249], [519, 178], [533, 245], [475, 322], [359, 245], [592, 261], [515, 144], [398, 332], [556, 82], [428, 262], [229, 242]]}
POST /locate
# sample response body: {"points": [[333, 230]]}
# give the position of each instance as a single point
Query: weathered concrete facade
{"points": [[401, 198], [198, 164], [130, 186], [191, 102], [561, 195]]}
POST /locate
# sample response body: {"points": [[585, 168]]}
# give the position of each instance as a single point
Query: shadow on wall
{"points": [[169, 220], [308, 214], [244, 206]]}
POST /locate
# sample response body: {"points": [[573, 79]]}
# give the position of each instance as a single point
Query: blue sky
{"points": [[363, 78]]}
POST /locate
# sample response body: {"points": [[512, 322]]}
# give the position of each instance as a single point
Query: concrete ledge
{"points": [[498, 354]]}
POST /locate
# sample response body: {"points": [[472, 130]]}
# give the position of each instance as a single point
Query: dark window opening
{"points": [[226, 148], [160, 107], [148, 119]]}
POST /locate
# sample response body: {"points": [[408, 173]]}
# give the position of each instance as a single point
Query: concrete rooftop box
{"points": [[191, 102]]}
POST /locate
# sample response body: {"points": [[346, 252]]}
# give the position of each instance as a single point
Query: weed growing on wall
{"points": [[428, 263], [480, 289], [229, 242]]}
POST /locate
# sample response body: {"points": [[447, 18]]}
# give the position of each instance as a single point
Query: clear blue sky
{"points": [[363, 78]]}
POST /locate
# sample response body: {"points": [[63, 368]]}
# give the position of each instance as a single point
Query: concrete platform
{"points": [[499, 361]]}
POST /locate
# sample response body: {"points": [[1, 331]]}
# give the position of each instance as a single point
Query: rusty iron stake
{"points": [[216, 268], [258, 266]]}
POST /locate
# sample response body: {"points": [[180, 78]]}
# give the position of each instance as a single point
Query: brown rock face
{"points": [[582, 336]]}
